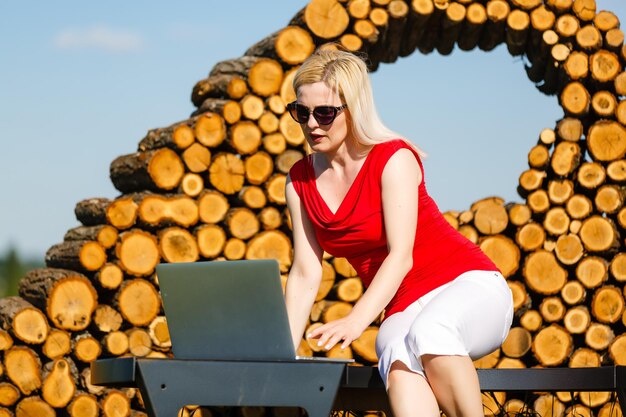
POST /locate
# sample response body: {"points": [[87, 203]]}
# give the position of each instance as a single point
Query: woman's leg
{"points": [[454, 381], [409, 393]]}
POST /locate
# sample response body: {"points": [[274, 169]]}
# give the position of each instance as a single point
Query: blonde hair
{"points": [[346, 74]]}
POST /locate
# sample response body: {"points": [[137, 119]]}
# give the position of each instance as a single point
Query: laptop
{"points": [[228, 310]]}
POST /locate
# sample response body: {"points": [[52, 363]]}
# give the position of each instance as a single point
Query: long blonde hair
{"points": [[346, 74]]}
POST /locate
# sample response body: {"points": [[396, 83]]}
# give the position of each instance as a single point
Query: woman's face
{"points": [[323, 138]]}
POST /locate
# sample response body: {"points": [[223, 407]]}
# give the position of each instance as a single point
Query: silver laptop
{"points": [[227, 310]]}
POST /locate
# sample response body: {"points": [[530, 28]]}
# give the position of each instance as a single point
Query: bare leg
{"points": [[455, 383], [409, 393]]}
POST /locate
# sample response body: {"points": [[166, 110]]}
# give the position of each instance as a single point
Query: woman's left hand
{"points": [[345, 329]]}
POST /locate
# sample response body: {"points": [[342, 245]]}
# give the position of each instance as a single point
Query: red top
{"points": [[356, 231]]}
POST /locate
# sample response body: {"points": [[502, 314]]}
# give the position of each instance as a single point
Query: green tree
{"points": [[12, 269]]}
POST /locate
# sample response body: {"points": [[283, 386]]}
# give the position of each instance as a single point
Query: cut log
{"points": [[605, 66], [517, 343], [270, 218], [245, 137], [556, 221], [122, 213], [451, 25], [559, 191], [343, 267], [472, 29], [258, 168], [83, 405], [115, 404], [234, 249], [610, 409], [530, 180], [275, 188], [110, 276], [618, 267], [491, 402], [197, 157], [268, 122], [80, 255], [607, 141], [605, 20], [212, 206], [548, 404], [265, 77], [335, 310], [552, 345], [9, 394], [211, 240], [552, 309], [155, 170], [68, 297], [220, 85], [253, 197], [530, 237], [178, 245], [609, 198], [210, 130], [575, 99], [565, 158], [351, 42], [519, 214], [58, 386], [230, 110], [493, 34], [138, 302], [592, 271], [599, 234], [364, 346], [531, 320], [226, 173], [539, 156], [594, 399], [521, 299], [607, 305], [584, 358], [599, 336], [591, 175], [6, 341], [242, 223], [57, 344], [604, 104], [291, 45], [85, 382], [175, 137], [106, 319], [573, 292], [585, 10], [86, 348], [567, 25], [105, 235], [271, 244], [116, 343], [503, 252], [139, 342], [617, 350], [137, 252], [518, 25], [92, 211], [577, 65], [23, 368], [159, 333], [34, 406], [579, 206], [291, 131], [488, 361], [23, 320], [543, 274], [349, 290], [538, 201], [616, 170]]}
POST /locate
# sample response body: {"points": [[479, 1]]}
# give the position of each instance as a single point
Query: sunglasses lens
{"points": [[301, 113], [324, 114]]}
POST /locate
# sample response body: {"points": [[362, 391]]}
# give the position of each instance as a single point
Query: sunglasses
{"points": [[324, 115]]}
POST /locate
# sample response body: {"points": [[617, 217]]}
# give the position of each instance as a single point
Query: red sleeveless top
{"points": [[356, 231]]}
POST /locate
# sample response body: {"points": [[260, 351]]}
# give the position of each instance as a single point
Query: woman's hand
{"points": [[346, 329]]}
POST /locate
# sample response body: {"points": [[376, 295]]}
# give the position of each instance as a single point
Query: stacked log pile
{"points": [[212, 187]]}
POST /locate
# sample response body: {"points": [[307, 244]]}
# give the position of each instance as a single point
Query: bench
{"points": [[166, 385]]}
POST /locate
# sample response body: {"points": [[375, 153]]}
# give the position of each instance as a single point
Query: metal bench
{"points": [[166, 385]]}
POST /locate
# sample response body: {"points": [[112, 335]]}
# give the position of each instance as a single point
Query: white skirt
{"points": [[469, 316]]}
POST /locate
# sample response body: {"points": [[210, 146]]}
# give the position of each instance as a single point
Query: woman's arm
{"points": [[305, 274], [400, 181]]}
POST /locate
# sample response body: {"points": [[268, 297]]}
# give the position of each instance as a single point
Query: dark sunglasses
{"points": [[324, 115]]}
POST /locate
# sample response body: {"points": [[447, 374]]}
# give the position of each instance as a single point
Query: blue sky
{"points": [[82, 82]]}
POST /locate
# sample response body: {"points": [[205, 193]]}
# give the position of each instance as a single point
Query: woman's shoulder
{"points": [[298, 171]]}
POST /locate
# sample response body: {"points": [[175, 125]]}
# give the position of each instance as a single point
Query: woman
{"points": [[361, 195]]}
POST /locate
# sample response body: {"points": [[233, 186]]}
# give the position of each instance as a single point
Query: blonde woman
{"points": [[361, 195]]}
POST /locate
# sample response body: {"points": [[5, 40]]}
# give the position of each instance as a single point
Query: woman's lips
{"points": [[316, 138]]}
